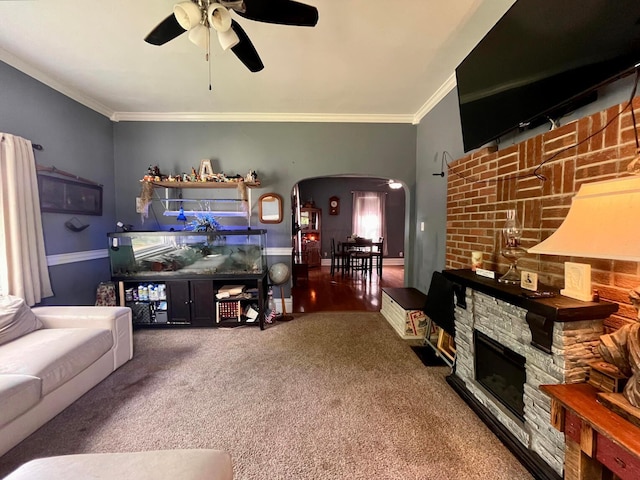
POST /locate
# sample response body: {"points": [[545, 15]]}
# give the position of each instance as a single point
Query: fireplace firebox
{"points": [[501, 372]]}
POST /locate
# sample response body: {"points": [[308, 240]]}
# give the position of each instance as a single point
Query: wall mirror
{"points": [[270, 208]]}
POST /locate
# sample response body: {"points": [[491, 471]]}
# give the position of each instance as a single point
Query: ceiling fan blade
{"points": [[282, 12], [166, 30], [245, 50]]}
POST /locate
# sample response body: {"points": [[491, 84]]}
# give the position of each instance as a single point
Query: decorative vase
{"points": [[512, 251]]}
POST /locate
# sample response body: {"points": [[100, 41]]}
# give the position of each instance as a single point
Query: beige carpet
{"points": [[325, 396]]}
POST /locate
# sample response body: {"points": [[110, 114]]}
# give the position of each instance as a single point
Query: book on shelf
{"points": [[228, 311]]}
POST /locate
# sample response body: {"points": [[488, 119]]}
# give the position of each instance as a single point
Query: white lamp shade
{"points": [[219, 17], [187, 14], [200, 36], [228, 39], [602, 223], [394, 184]]}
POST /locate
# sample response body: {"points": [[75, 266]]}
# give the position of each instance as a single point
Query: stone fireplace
{"points": [[555, 338], [501, 372]]}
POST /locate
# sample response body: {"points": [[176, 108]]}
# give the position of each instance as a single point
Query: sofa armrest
{"points": [[78, 316], [116, 319]]}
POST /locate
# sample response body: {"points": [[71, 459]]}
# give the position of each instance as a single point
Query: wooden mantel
{"points": [[541, 312]]}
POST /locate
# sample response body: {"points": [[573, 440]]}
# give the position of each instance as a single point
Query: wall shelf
{"points": [[205, 184], [239, 207]]}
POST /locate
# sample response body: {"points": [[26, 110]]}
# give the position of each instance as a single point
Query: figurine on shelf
{"points": [[194, 175], [251, 176]]}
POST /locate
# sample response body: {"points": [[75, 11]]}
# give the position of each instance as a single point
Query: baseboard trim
{"points": [[528, 458]]}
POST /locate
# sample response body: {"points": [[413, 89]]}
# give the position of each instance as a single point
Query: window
{"points": [[368, 214]]}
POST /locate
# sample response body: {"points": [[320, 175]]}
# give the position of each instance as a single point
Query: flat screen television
{"points": [[541, 60]]}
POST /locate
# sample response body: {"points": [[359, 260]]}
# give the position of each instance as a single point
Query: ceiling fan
{"points": [[198, 17], [391, 183]]}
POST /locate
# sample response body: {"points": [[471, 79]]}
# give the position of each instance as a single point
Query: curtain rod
{"points": [[37, 146]]}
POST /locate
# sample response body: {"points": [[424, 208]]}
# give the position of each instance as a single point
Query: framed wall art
{"points": [[59, 195]]}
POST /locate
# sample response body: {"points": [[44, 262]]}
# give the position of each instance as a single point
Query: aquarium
{"points": [[187, 253]]}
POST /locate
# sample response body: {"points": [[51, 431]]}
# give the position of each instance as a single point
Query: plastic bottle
{"points": [[271, 312], [153, 292]]}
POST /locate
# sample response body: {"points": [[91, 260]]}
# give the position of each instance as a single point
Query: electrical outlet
{"points": [[401, 254], [325, 254], [422, 226]]}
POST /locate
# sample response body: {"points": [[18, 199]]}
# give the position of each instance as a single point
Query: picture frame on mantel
{"points": [[59, 195]]}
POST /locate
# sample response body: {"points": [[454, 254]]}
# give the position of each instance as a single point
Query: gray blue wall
{"points": [[438, 132], [282, 153], [77, 140], [87, 144]]}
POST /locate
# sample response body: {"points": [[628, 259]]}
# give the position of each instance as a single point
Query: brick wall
{"points": [[483, 185]]}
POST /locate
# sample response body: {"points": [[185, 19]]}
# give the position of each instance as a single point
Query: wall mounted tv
{"points": [[541, 60]]}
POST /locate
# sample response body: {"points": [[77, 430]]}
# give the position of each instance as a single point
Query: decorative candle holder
{"points": [[512, 251]]}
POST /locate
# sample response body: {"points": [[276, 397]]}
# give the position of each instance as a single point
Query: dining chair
{"points": [[339, 258], [376, 255], [361, 258]]}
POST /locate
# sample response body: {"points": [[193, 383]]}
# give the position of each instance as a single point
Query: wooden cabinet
{"points": [[192, 302], [310, 235]]}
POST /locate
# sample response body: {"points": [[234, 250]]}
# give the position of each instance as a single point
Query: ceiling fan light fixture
{"points": [[199, 35], [228, 39], [394, 184], [219, 17], [188, 14]]}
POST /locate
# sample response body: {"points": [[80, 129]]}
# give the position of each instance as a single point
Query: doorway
{"points": [[329, 201]]}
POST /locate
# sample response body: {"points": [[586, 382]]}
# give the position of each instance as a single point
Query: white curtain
{"points": [[369, 216], [23, 261]]}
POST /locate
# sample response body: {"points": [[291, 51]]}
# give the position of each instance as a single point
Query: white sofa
{"points": [[51, 356]]}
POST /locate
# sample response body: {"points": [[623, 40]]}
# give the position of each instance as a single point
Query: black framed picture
{"points": [[59, 195]]}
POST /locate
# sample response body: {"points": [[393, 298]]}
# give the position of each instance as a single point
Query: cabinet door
{"points": [[178, 302], [203, 311]]}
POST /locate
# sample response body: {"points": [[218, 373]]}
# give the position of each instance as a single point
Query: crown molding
{"points": [[114, 116], [439, 94], [30, 70], [258, 117]]}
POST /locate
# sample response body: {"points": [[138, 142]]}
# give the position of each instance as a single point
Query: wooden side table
{"points": [[599, 443]]}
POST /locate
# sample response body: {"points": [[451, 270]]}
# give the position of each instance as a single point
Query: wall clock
{"points": [[334, 206]]}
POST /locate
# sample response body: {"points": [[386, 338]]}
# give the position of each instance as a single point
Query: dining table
{"points": [[352, 245]]}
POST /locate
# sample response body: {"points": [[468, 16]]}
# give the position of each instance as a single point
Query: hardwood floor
{"points": [[323, 293]]}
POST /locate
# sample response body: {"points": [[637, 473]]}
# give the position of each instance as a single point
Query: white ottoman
{"points": [[152, 465]]}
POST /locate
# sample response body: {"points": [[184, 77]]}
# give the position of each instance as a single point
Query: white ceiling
{"points": [[365, 61]]}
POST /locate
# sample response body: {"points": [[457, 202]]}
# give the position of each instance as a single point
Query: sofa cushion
{"points": [[55, 355], [196, 464], [16, 318], [18, 393]]}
